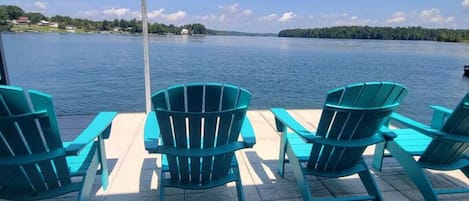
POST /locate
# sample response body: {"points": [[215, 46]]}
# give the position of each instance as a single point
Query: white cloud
{"points": [[247, 12], [175, 16], [222, 18], [465, 3], [286, 17], [397, 17], [206, 17], [91, 13], [119, 12], [343, 19], [234, 8], [269, 18], [434, 15], [40, 5], [155, 13], [168, 17]]}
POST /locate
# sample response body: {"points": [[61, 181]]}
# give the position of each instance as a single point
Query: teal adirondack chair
{"points": [[196, 127], [349, 121], [34, 162], [444, 145]]}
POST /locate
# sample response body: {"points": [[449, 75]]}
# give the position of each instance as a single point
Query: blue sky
{"points": [[266, 15]]}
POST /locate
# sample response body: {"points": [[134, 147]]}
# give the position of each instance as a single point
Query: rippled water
{"points": [[90, 73]]}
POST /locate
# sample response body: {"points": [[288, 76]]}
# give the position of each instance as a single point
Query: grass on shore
{"points": [[37, 28]]}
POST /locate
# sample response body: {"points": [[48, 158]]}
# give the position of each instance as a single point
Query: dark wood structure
{"points": [[466, 70]]}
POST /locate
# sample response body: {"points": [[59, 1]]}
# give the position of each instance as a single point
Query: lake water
{"points": [[86, 74]]}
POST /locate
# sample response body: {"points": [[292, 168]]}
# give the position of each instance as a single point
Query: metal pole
{"points": [[146, 59], [3, 65]]}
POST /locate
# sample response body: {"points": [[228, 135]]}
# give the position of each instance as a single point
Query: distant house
{"points": [[43, 23], [23, 20], [70, 29], [184, 32], [54, 24], [116, 29]]}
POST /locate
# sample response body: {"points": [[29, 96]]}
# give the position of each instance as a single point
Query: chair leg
{"points": [[370, 184], [239, 185], [413, 170], [88, 179], [161, 187], [239, 189], [103, 163], [379, 156], [299, 174], [281, 155]]}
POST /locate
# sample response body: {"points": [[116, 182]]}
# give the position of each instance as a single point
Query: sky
{"points": [[265, 16]]}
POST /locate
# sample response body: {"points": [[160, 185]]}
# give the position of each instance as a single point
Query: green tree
{"points": [[35, 17], [198, 29], [14, 12]]}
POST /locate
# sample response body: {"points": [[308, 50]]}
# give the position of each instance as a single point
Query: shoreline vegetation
{"points": [[381, 33], [14, 19]]}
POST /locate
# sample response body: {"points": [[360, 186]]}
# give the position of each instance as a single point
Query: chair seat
{"points": [[412, 141], [301, 149], [78, 165]]}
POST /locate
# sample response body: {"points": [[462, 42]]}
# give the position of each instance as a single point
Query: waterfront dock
{"points": [[134, 172]]}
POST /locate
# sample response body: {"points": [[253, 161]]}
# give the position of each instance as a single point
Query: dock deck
{"points": [[134, 172]]}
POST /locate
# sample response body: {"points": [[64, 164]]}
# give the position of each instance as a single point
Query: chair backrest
{"points": [[32, 158], [353, 112], [444, 151], [200, 117]]}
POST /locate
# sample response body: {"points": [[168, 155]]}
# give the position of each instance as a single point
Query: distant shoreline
{"points": [[380, 33]]}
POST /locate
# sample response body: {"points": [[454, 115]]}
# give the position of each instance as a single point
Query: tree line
{"points": [[382, 33], [9, 13]]}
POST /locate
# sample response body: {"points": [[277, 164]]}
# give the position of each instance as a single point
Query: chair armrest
{"points": [[151, 133], [100, 126], [439, 116], [284, 120], [387, 133], [420, 127], [247, 133]]}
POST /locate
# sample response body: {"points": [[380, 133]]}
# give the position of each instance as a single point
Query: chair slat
{"points": [[210, 129], [224, 126], [177, 98], [230, 97], [166, 128], [181, 135], [195, 98], [195, 127], [212, 98]]}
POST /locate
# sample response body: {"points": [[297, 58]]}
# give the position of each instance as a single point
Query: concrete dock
{"points": [[134, 172]]}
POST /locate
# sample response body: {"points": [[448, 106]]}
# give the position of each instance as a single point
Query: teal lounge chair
{"points": [[196, 127], [349, 121], [34, 163], [444, 145]]}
